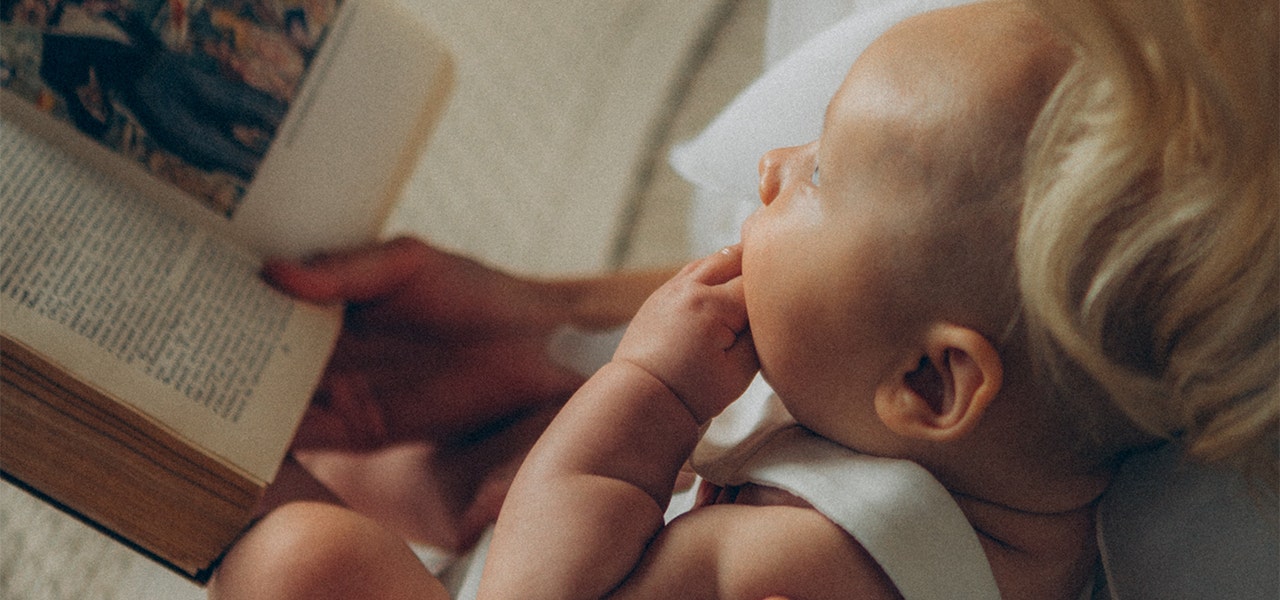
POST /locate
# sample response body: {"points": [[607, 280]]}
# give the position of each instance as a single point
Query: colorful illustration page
{"points": [[194, 91]]}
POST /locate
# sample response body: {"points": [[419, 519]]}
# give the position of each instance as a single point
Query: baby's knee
{"points": [[315, 551]]}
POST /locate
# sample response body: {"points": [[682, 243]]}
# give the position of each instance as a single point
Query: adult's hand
{"points": [[440, 382], [434, 346]]}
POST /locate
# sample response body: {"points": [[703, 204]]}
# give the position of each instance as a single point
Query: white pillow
{"points": [[791, 23], [784, 107]]}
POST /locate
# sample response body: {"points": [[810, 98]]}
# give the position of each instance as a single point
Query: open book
{"points": [[153, 152]]}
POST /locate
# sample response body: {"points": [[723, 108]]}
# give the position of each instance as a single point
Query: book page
{"points": [[361, 121], [148, 307], [293, 123]]}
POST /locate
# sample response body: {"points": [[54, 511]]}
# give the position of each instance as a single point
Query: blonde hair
{"points": [[1148, 252]]}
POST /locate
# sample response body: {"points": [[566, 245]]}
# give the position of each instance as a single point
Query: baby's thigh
{"points": [[318, 551]]}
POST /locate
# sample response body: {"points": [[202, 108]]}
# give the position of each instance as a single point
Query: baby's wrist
{"points": [[638, 374]]}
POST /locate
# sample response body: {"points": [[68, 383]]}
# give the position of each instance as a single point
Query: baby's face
{"points": [[885, 224]]}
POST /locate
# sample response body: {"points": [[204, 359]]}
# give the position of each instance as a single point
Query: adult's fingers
{"points": [[354, 276]]}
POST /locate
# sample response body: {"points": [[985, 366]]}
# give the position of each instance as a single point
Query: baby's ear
{"points": [[946, 389]]}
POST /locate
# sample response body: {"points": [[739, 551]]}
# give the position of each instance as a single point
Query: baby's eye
{"points": [[815, 178]]}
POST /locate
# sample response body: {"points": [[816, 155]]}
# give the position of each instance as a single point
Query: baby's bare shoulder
{"points": [[752, 552]]}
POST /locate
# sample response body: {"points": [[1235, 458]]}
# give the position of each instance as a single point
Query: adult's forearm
{"points": [[609, 300]]}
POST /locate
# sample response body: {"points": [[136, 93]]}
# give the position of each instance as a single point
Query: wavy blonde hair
{"points": [[1148, 252]]}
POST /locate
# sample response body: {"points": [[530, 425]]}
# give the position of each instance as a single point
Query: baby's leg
{"points": [[317, 551]]}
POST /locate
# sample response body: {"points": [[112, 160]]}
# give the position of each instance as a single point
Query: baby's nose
{"points": [[770, 180]]}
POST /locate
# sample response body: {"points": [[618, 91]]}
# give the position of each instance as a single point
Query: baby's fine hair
{"points": [[1148, 253]]}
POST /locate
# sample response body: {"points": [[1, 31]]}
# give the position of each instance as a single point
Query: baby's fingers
{"points": [[721, 267], [731, 308]]}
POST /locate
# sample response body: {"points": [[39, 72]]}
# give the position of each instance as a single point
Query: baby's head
{"points": [[879, 276]]}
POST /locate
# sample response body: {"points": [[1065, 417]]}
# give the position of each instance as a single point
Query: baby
{"points": [[876, 292]]}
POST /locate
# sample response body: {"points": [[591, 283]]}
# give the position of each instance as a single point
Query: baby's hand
{"points": [[692, 335]]}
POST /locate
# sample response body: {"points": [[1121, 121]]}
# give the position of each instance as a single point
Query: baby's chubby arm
{"points": [[591, 494]]}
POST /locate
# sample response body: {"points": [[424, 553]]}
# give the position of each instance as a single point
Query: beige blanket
{"points": [[559, 105]]}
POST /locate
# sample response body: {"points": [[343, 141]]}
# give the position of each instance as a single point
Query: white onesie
{"points": [[895, 509]]}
